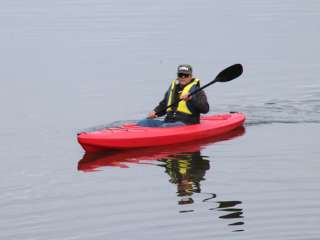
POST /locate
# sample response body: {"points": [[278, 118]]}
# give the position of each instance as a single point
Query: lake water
{"points": [[69, 65]]}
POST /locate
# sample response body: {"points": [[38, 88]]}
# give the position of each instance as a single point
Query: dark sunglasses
{"points": [[183, 75]]}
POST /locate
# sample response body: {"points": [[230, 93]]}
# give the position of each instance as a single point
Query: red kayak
{"points": [[122, 159], [129, 136]]}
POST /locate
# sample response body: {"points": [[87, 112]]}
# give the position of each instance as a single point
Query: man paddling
{"points": [[179, 107]]}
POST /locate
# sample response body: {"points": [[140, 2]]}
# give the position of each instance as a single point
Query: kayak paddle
{"points": [[225, 75]]}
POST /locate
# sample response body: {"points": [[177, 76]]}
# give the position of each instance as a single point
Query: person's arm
{"points": [[200, 102], [159, 110]]}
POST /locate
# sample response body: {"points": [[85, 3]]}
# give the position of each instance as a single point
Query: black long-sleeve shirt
{"points": [[198, 103]]}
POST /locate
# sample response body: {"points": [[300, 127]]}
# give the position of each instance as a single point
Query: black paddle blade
{"points": [[229, 73]]}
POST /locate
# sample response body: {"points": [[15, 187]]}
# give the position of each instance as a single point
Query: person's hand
{"points": [[185, 97], [152, 115]]}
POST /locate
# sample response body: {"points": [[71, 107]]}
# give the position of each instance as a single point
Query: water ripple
{"points": [[306, 110]]}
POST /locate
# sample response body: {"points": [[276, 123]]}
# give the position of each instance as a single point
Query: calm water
{"points": [[68, 65]]}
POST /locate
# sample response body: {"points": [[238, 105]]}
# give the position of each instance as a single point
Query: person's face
{"points": [[184, 79]]}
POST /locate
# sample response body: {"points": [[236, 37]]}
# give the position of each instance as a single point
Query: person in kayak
{"points": [[188, 110]]}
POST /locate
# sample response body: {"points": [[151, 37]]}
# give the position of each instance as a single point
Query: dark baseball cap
{"points": [[185, 68]]}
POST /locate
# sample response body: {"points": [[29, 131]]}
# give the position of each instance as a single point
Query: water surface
{"points": [[70, 65]]}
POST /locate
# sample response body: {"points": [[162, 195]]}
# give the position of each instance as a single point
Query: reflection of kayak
{"points": [[130, 136], [91, 161]]}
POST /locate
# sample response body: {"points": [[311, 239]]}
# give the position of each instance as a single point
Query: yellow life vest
{"points": [[182, 105]]}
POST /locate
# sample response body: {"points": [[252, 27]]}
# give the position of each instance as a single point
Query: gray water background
{"points": [[68, 65]]}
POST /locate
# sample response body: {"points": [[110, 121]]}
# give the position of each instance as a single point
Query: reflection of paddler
{"points": [[186, 170]]}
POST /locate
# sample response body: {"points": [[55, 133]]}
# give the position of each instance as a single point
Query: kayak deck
{"points": [[130, 136]]}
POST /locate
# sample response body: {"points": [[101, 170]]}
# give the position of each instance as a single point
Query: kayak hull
{"points": [[93, 161], [130, 136]]}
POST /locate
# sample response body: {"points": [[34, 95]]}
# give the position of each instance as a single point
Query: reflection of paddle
{"points": [[93, 161], [225, 75]]}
